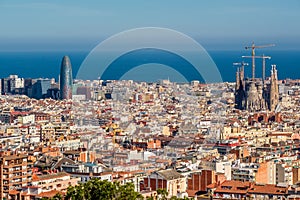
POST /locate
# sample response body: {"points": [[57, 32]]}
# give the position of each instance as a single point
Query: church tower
{"points": [[240, 95], [274, 93]]}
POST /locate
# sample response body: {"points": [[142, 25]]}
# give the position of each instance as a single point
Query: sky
{"points": [[80, 25]]}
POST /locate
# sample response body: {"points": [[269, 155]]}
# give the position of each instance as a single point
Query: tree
{"points": [[102, 190], [75, 192], [163, 193], [58, 196]]}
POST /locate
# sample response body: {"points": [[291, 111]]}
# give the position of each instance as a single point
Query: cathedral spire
{"points": [[274, 93], [237, 77]]}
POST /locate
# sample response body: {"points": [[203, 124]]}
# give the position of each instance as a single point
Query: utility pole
{"points": [[253, 47]]}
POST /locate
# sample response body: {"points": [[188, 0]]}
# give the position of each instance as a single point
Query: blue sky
{"points": [[80, 25]]}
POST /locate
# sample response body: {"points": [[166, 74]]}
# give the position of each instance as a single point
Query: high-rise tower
{"points": [[66, 80]]}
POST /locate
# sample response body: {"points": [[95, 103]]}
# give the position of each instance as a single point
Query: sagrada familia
{"points": [[256, 94]]}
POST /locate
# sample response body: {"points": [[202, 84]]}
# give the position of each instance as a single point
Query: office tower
{"points": [[39, 88], [5, 86], [27, 85], [16, 82], [12, 85], [66, 79]]}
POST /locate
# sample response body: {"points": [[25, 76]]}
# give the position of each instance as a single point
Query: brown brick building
{"points": [[197, 181]]}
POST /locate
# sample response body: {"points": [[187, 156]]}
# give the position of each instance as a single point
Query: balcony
{"points": [[19, 170], [11, 165], [241, 172], [18, 176]]}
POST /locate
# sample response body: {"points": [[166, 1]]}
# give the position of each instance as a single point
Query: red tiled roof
{"points": [[268, 189], [295, 136], [211, 186], [236, 183], [49, 176], [49, 194], [192, 193], [233, 187], [231, 191], [14, 192], [239, 187]]}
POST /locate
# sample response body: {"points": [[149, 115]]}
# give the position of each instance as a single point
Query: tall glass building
{"points": [[66, 80], [39, 88]]}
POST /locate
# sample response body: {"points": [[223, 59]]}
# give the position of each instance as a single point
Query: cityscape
{"points": [[196, 137]]}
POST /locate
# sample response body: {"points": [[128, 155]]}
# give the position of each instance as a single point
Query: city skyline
{"points": [[164, 100]]}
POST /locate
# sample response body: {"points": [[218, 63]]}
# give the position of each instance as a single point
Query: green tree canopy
{"points": [[103, 190]]}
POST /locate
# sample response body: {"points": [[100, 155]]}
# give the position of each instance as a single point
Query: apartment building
{"points": [[15, 173]]}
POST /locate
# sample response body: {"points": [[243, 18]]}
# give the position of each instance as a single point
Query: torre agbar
{"points": [[66, 79]]}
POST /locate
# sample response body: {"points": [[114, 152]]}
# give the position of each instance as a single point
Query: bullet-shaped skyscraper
{"points": [[66, 80]]}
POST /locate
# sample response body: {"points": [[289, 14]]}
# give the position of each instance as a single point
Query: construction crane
{"points": [[253, 47], [263, 57]]}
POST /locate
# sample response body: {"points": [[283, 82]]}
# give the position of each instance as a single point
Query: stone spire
{"points": [[242, 75], [240, 95], [274, 93], [237, 79]]}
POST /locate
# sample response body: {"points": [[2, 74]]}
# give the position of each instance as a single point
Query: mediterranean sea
{"points": [[47, 65]]}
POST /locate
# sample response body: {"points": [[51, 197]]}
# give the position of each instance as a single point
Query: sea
{"points": [[46, 64]]}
